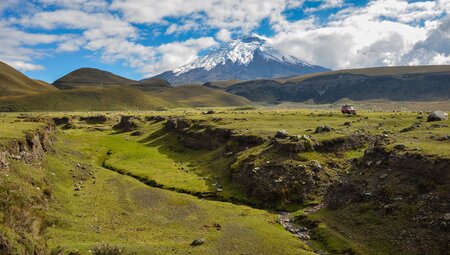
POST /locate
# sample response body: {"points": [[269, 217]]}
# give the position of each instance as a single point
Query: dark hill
{"points": [[14, 83], [426, 83], [94, 77]]}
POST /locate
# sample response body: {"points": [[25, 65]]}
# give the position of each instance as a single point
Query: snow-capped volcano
{"points": [[247, 58]]}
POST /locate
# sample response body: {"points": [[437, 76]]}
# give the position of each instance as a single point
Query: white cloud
{"points": [[383, 32], [23, 66], [378, 34], [87, 5], [224, 35], [229, 14], [175, 54]]}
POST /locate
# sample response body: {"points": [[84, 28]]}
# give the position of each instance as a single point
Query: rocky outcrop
{"points": [[126, 124], [31, 148], [286, 182], [406, 193], [196, 134], [296, 144], [415, 173], [99, 119]]}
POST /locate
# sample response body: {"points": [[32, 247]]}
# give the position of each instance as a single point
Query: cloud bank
{"points": [[333, 33]]}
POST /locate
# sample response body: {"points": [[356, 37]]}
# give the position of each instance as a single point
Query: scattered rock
{"points": [[323, 129], [438, 116], [316, 166], [281, 134], [197, 242], [136, 133], [210, 112], [444, 138], [400, 147]]}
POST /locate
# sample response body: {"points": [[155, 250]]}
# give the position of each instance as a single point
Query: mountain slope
{"points": [[94, 77], [426, 83], [14, 83], [200, 96], [245, 59], [120, 98]]}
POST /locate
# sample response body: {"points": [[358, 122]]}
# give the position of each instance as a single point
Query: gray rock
{"points": [[323, 129], [198, 242], [281, 134], [438, 116], [400, 147]]}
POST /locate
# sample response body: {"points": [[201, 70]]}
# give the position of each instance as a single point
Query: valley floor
{"points": [[164, 179]]}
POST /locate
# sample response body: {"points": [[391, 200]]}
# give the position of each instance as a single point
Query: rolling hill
{"points": [[14, 83], [89, 77], [418, 83], [121, 98], [88, 89]]}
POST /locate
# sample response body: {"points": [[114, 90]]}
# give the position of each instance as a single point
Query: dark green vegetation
{"points": [[14, 83], [89, 89], [426, 83], [374, 183]]}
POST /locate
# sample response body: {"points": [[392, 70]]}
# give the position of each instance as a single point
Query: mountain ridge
{"points": [[417, 83]]}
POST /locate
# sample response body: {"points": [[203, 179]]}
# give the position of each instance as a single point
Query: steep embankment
{"points": [[24, 191], [392, 201], [14, 83], [390, 83]]}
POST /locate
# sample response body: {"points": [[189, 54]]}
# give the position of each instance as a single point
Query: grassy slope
{"points": [[221, 84], [122, 211], [376, 71], [198, 96], [85, 99], [13, 83], [120, 98]]}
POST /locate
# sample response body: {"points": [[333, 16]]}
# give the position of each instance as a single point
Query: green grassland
{"points": [[144, 193], [120, 210]]}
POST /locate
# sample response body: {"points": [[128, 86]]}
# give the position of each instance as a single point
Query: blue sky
{"points": [[140, 38]]}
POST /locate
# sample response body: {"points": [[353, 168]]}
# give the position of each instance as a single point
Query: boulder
{"points": [[438, 116], [281, 134], [323, 129], [198, 242]]}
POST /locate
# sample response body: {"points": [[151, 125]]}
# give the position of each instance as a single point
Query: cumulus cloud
{"points": [[22, 66], [382, 32], [224, 35], [378, 34], [434, 49], [229, 14], [175, 54]]}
